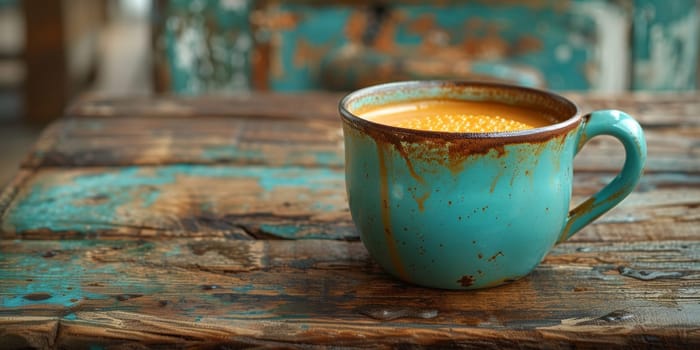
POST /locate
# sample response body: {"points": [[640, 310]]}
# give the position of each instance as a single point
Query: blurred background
{"points": [[53, 51]]}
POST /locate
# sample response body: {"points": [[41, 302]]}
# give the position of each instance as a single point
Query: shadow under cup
{"points": [[471, 210]]}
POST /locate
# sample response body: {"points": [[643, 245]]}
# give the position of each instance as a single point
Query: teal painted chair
{"points": [[237, 45]]}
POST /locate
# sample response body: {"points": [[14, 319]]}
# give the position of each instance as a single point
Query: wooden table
{"points": [[223, 222]]}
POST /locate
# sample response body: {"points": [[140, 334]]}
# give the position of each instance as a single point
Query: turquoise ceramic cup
{"points": [[468, 210]]}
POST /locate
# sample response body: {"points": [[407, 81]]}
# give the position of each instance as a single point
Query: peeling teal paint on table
{"points": [[51, 289], [53, 279], [91, 202], [84, 201], [287, 231]]}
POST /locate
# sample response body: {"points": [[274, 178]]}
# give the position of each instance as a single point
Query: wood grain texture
{"points": [[222, 222], [257, 202], [243, 202], [208, 140], [144, 141], [305, 130], [648, 108], [308, 105], [9, 192], [207, 292]]}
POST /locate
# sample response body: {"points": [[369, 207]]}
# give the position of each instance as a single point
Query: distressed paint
{"points": [[608, 65], [206, 45], [563, 43], [86, 202], [316, 30], [344, 297], [346, 70], [61, 293], [54, 274], [492, 36], [287, 231], [665, 43], [102, 200]]}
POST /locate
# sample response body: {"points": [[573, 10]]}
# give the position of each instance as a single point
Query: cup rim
{"points": [[555, 128]]}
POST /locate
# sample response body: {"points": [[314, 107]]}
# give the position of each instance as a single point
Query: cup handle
{"points": [[624, 128]]}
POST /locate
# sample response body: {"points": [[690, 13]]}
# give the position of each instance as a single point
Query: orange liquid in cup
{"points": [[456, 116]]}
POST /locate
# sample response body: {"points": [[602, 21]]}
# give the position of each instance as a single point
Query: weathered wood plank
{"points": [[182, 200], [249, 202], [8, 193], [148, 141], [139, 141], [670, 150], [305, 130], [652, 109], [307, 105], [28, 332], [106, 329], [208, 292]]}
